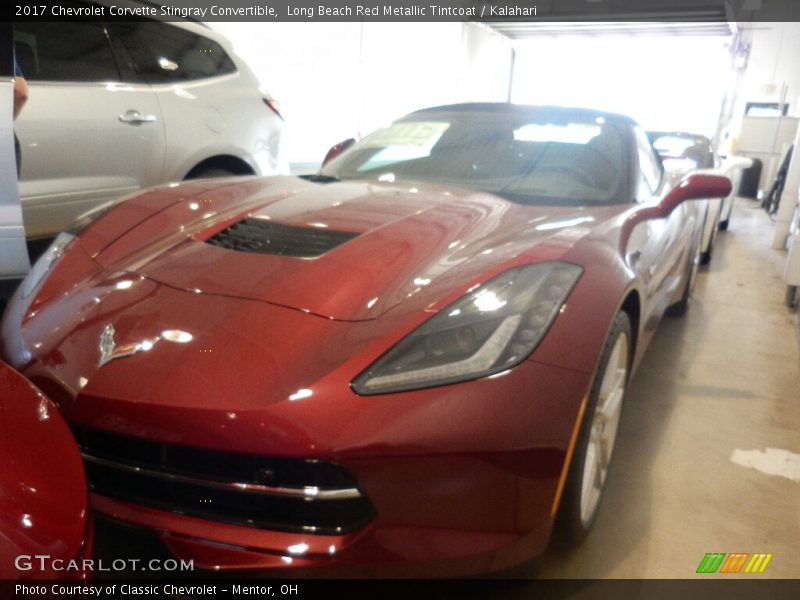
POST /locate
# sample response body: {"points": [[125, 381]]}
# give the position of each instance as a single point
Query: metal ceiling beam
{"points": [[519, 30]]}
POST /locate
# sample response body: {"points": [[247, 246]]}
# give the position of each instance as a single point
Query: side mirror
{"points": [[697, 186], [337, 149], [694, 187]]}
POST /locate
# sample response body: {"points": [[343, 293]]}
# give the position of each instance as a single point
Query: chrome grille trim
{"points": [[309, 493]]}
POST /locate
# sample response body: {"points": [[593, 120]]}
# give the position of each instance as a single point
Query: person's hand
{"points": [[20, 94]]}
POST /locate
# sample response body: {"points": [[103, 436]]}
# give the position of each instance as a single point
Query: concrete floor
{"points": [[726, 377]]}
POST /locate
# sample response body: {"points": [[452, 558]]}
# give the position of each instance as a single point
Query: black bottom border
{"points": [[503, 589]]}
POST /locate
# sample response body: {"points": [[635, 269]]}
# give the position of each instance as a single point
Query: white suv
{"points": [[115, 107]]}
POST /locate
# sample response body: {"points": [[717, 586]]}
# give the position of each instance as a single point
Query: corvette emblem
{"points": [[109, 350]]}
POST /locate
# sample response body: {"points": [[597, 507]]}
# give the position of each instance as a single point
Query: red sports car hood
{"points": [[172, 332], [346, 250]]}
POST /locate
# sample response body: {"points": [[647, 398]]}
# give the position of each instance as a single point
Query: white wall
{"points": [[772, 73], [487, 70], [664, 82], [340, 80], [773, 67]]}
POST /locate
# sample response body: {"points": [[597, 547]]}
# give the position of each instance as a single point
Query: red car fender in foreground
{"points": [[45, 525]]}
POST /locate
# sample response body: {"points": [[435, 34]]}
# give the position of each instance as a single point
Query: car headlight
{"points": [[490, 329], [83, 221], [56, 249], [46, 260]]}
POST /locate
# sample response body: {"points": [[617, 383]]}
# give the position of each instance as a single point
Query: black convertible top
{"points": [[507, 107]]}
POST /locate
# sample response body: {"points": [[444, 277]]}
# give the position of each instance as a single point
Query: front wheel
{"points": [[594, 446]]}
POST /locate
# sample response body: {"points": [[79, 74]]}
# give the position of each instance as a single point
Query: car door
{"points": [[13, 252], [661, 264], [211, 106], [87, 134]]}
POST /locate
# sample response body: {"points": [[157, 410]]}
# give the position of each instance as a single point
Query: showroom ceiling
{"points": [[527, 30], [612, 17]]}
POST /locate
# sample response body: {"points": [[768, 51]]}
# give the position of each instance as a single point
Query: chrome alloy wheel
{"points": [[603, 433]]}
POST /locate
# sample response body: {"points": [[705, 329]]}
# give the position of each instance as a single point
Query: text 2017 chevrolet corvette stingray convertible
{"points": [[415, 357]]}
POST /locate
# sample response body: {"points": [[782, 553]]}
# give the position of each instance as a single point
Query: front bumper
{"points": [[457, 515], [471, 491]]}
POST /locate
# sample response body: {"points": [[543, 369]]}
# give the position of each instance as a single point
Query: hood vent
{"points": [[265, 237]]}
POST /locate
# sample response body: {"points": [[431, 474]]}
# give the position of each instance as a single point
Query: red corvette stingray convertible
{"points": [[45, 527], [415, 357]]}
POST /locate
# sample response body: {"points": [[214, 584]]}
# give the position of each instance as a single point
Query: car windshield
{"points": [[531, 157]]}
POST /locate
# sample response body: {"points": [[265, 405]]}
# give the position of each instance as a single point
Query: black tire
{"points": [[680, 308], [211, 173], [791, 296], [579, 506], [705, 257]]}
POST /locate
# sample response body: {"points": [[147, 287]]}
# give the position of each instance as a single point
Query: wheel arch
{"points": [[632, 306], [227, 162]]}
